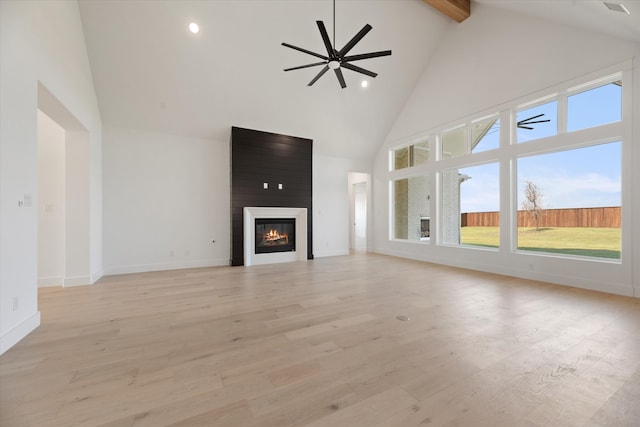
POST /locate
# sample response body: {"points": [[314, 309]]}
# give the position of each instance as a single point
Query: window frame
{"points": [[509, 150]]}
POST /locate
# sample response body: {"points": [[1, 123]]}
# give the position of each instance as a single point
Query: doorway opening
{"points": [[359, 207], [63, 198]]}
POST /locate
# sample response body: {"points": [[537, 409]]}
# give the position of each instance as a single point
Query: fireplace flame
{"points": [[275, 236]]}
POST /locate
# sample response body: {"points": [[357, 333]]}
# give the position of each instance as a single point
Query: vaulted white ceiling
{"points": [[587, 14], [151, 73]]}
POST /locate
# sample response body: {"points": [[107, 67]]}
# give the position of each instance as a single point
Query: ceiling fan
{"points": [[526, 123], [337, 59]]}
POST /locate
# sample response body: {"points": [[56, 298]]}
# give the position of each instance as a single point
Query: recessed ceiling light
{"points": [[193, 27], [617, 7], [364, 83]]}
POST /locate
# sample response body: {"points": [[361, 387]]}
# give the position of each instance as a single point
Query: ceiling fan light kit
{"points": [[336, 59]]}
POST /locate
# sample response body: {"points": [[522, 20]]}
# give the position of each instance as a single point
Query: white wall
{"points": [[166, 197], [331, 204], [492, 58], [496, 56], [51, 201], [40, 42], [78, 209]]}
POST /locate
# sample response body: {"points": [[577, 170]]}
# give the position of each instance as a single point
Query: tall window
{"points": [[471, 206], [569, 201], [412, 208]]}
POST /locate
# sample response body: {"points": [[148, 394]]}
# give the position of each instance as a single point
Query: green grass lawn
{"points": [[586, 241]]}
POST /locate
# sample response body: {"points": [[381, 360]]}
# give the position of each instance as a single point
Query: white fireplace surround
{"points": [[250, 214]]}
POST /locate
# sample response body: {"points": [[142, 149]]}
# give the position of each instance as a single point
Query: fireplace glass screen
{"points": [[275, 235], [425, 231]]}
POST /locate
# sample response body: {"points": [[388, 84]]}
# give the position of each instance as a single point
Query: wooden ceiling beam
{"points": [[458, 10]]}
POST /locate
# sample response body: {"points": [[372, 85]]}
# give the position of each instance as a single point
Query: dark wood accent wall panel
{"points": [[258, 157]]}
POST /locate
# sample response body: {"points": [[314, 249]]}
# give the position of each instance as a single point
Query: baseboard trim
{"points": [[321, 254], [576, 282], [143, 268], [45, 282], [96, 276], [76, 281], [14, 335]]}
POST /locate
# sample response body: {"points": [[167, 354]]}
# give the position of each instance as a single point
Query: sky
{"points": [[583, 177]]}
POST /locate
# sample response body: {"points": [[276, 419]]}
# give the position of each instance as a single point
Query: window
{"points": [[471, 206], [564, 187], [401, 158], [485, 134], [569, 201], [412, 155], [454, 142], [595, 107], [411, 202], [420, 153], [537, 122]]}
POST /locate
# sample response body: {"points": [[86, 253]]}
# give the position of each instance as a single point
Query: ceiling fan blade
{"points": [[363, 32], [366, 56], [358, 69], [315, 79], [305, 66], [536, 121], [340, 77], [531, 118], [305, 51], [325, 38]]}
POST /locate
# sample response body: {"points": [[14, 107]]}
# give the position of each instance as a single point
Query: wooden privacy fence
{"points": [[570, 217]]}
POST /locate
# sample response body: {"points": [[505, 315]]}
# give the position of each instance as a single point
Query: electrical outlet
{"points": [[16, 303]]}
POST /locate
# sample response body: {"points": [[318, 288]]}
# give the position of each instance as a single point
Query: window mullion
{"points": [[562, 114]]}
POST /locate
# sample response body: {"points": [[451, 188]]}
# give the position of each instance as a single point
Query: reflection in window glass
{"points": [[569, 201], [401, 158], [470, 206], [537, 122], [485, 134], [413, 155], [412, 208], [454, 143], [420, 153], [595, 107]]}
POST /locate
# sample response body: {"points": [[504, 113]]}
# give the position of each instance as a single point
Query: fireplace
{"points": [[275, 222], [275, 235]]}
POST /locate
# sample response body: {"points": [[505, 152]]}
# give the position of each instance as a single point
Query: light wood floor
{"points": [[318, 344]]}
